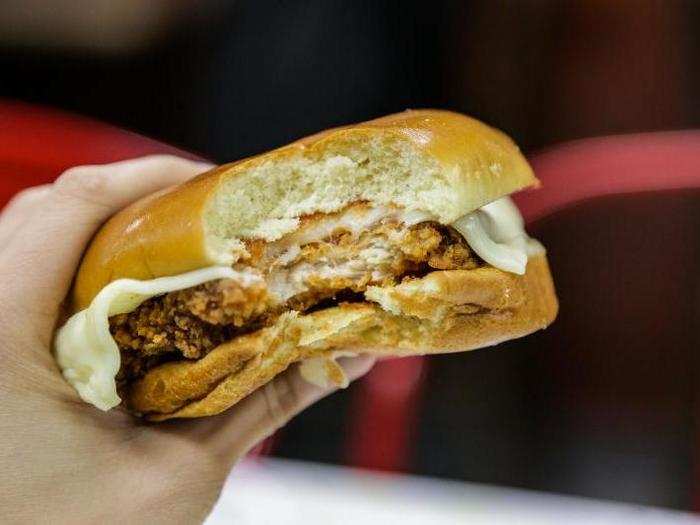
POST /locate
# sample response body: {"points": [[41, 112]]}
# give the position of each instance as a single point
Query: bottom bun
{"points": [[445, 311]]}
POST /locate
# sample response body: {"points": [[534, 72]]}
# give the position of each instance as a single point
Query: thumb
{"points": [[40, 257], [267, 409]]}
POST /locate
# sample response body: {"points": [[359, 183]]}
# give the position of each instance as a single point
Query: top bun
{"points": [[437, 162]]}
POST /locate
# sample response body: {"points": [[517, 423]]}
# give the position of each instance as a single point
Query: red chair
{"points": [[38, 143]]}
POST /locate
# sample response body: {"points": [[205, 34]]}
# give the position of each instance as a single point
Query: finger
{"points": [[19, 210], [41, 259], [113, 186], [233, 434]]}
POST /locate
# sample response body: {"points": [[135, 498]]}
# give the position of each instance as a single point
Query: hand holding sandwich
{"points": [[63, 460], [391, 237]]}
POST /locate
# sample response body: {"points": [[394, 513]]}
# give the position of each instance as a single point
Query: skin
{"points": [[63, 460]]}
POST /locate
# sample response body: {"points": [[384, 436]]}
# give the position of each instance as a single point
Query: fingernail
{"points": [[355, 367]]}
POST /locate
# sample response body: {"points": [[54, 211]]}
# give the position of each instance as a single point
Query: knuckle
{"points": [[165, 158], [87, 183], [173, 163], [281, 397], [166, 162], [81, 178], [73, 176]]}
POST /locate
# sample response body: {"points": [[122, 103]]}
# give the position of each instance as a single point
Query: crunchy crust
{"points": [[233, 370], [163, 234]]}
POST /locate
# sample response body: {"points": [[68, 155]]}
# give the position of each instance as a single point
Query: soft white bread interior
{"points": [[376, 162]]}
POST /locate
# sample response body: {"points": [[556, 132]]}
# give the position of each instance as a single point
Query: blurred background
{"points": [[591, 407]]}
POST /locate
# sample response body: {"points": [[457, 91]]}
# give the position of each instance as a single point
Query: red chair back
{"points": [[37, 144]]}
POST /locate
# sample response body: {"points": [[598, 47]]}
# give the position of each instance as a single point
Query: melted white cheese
{"points": [[85, 350], [89, 357], [496, 232]]}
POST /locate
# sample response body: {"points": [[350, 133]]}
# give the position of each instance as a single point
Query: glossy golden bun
{"points": [[438, 161]]}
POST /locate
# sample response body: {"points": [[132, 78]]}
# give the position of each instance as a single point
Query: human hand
{"points": [[63, 460]]}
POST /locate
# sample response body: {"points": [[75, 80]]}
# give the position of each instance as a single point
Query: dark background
{"points": [[230, 79], [233, 79]]}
